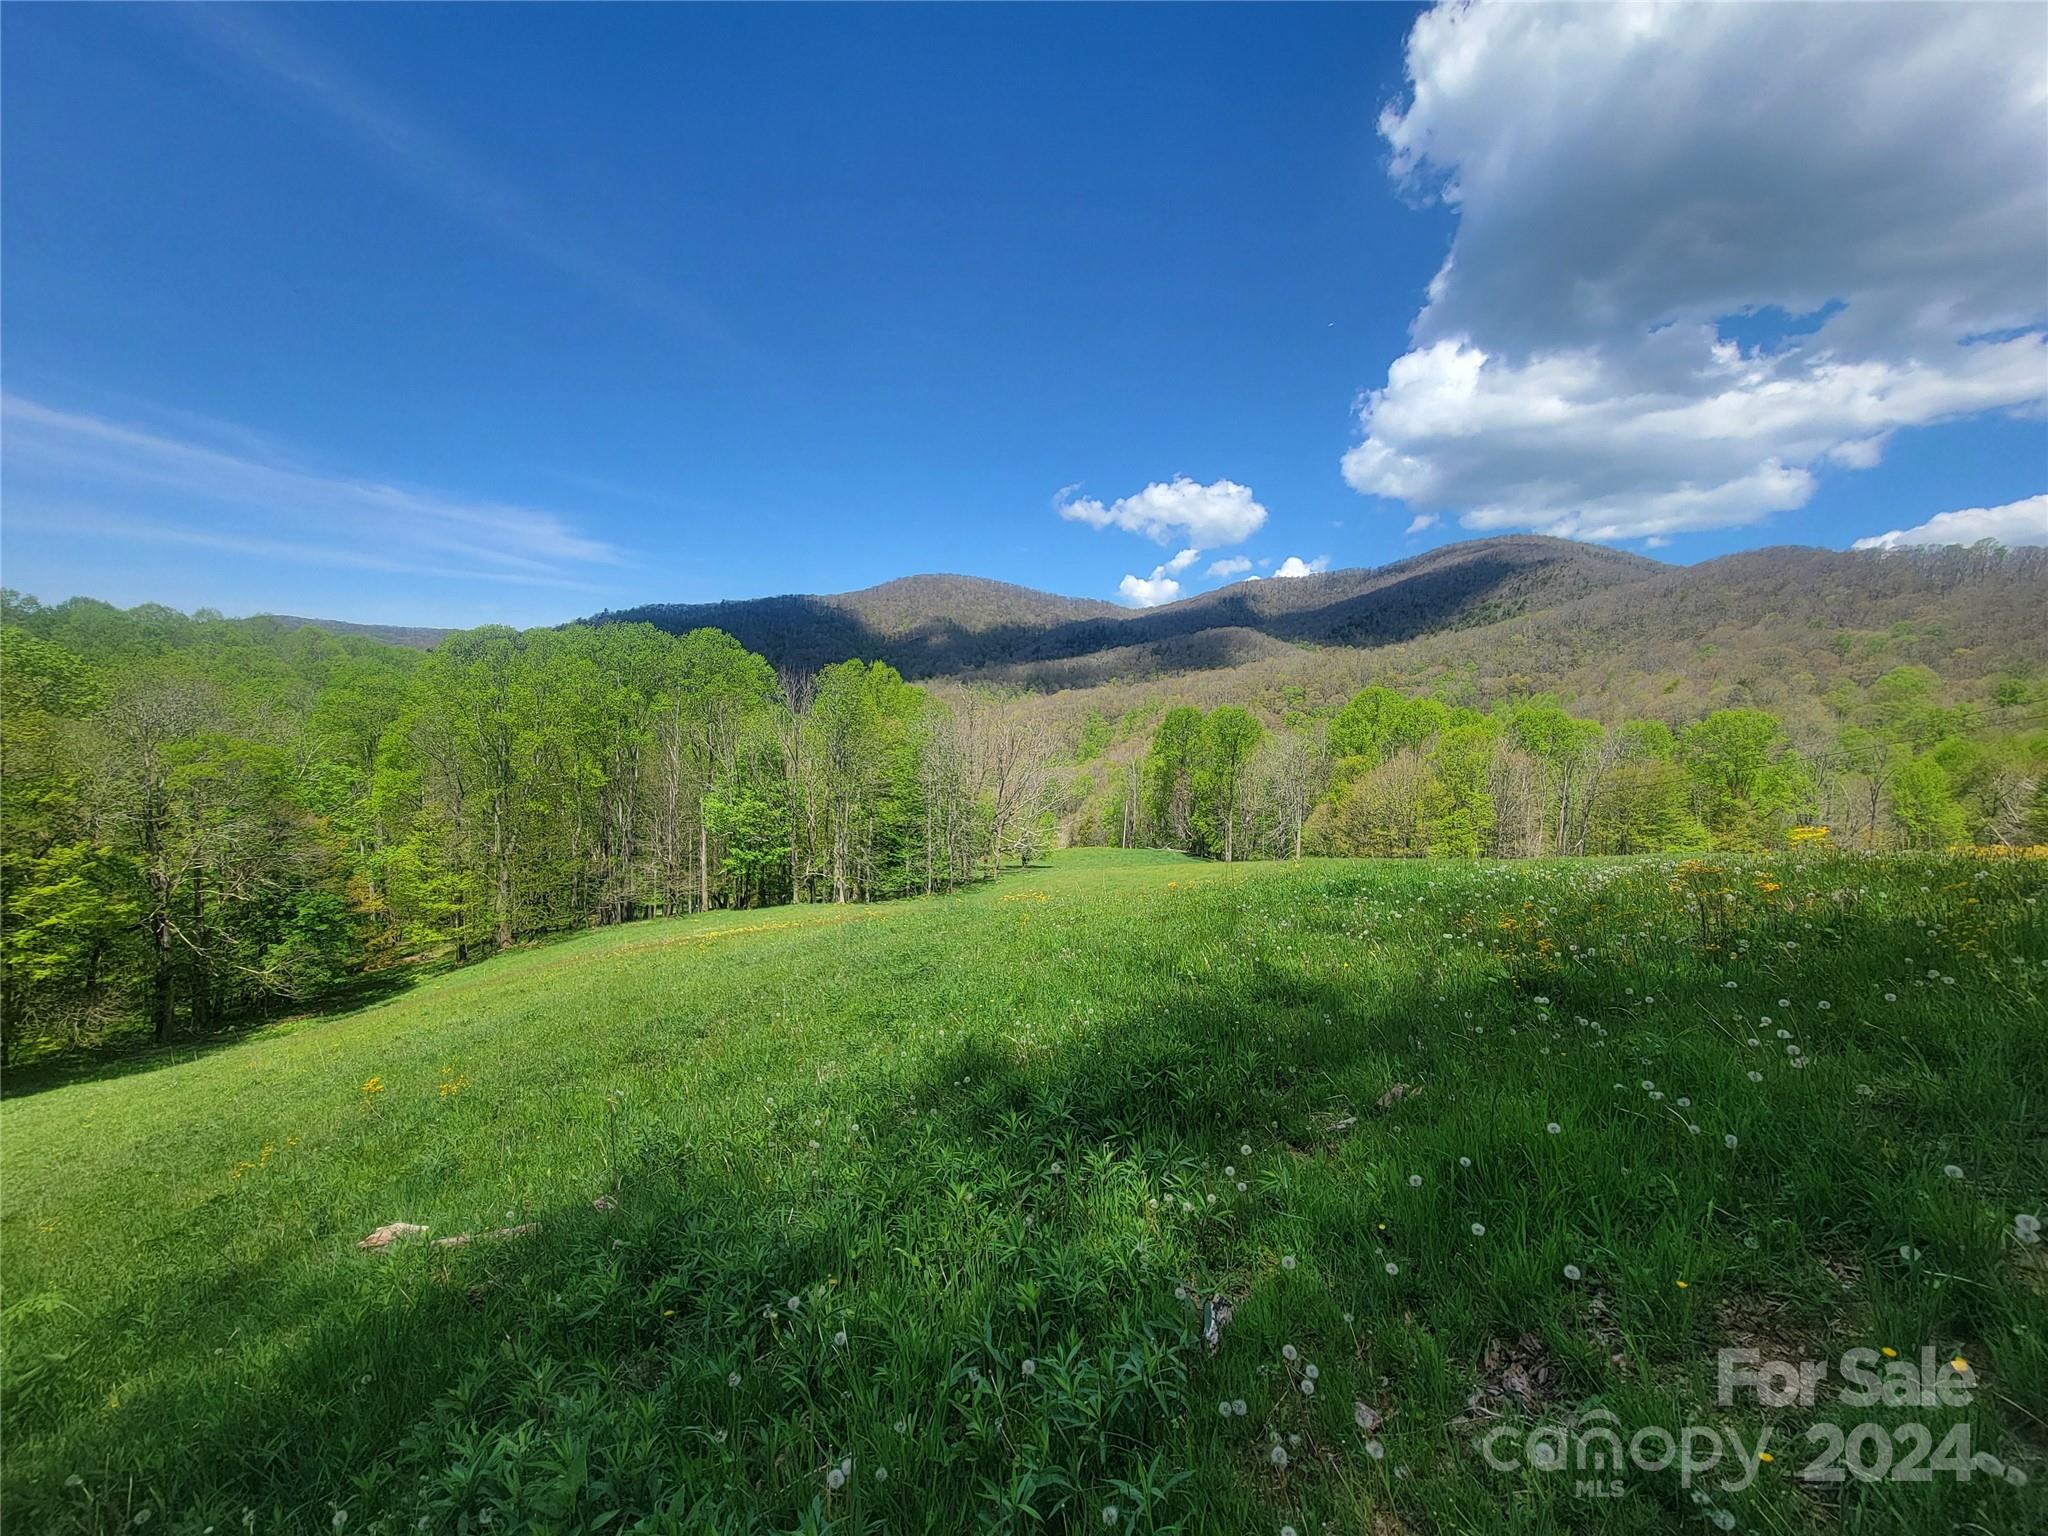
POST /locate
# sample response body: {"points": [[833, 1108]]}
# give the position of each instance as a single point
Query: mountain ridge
{"points": [[1481, 600], [929, 626]]}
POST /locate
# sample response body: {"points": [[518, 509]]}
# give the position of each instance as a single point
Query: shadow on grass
{"points": [[133, 1048], [283, 1385], [583, 1368]]}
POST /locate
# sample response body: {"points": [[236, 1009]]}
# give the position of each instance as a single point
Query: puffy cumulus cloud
{"points": [[1236, 565], [2017, 522], [1159, 587], [1222, 512], [1294, 565], [1422, 520], [1141, 592], [1704, 251]]}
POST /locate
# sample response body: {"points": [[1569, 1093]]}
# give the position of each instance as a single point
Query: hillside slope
{"points": [[1775, 627], [764, 1205], [412, 636], [928, 626]]}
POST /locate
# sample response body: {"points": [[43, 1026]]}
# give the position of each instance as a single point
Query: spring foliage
{"points": [[206, 817]]}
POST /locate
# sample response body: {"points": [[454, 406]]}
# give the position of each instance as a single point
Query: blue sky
{"points": [[457, 314]]}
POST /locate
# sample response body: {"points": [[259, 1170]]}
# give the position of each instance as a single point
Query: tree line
{"points": [[1392, 774], [205, 818]]}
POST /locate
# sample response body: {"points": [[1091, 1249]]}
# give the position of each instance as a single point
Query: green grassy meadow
{"points": [[911, 1217]]}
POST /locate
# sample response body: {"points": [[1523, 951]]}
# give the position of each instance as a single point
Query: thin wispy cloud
{"points": [[411, 151], [76, 522], [92, 476]]}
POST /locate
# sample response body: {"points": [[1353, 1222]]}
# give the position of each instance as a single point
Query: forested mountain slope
{"points": [[930, 626], [413, 637], [1763, 626], [1493, 616], [921, 625]]}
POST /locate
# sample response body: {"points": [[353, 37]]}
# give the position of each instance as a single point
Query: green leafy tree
{"points": [[1171, 767], [1229, 738], [1378, 722], [1924, 812], [1748, 784], [1460, 811]]}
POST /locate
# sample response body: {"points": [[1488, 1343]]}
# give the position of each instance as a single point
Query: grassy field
{"points": [[912, 1218]]}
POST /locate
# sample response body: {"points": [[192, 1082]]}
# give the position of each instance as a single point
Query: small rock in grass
{"points": [[389, 1233]]}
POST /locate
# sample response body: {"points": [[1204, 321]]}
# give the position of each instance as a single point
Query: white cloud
{"points": [[1149, 593], [1422, 520], [1294, 566], [1160, 587], [1206, 516], [1236, 565], [127, 481], [1630, 181], [2017, 522]]}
